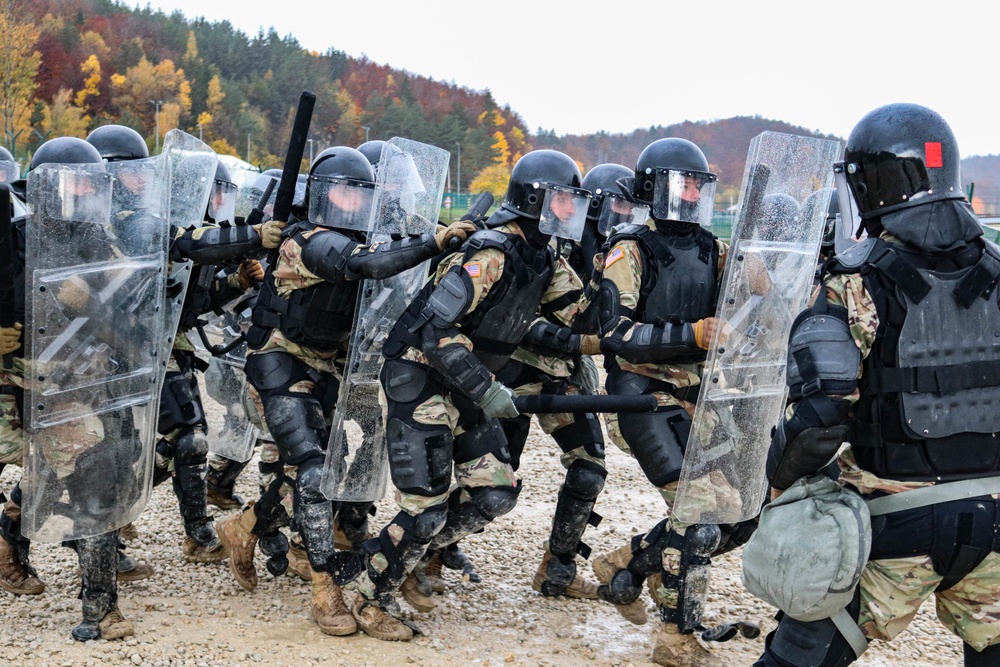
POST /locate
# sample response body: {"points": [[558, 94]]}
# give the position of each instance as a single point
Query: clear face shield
{"points": [[222, 203], [343, 203], [684, 196], [616, 210], [85, 196], [9, 171], [564, 211], [849, 220]]}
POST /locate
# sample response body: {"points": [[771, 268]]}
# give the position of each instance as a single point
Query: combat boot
{"points": [[605, 567], [202, 545], [221, 485], [298, 561], [235, 533], [375, 622], [115, 626], [673, 649], [15, 577], [433, 572], [129, 569], [328, 608], [224, 499], [553, 571], [416, 590]]}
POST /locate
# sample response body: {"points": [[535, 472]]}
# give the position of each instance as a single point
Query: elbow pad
{"points": [[652, 343], [458, 364], [822, 355], [804, 445], [549, 337], [328, 255], [384, 260], [215, 245]]}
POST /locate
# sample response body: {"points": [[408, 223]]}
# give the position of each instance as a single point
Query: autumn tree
{"points": [[161, 83], [62, 118], [18, 65], [493, 179]]}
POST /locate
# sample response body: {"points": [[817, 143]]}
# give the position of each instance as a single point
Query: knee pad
{"points": [[420, 457], [309, 481], [486, 437], [585, 479], [297, 425], [494, 501], [429, 523], [191, 448], [657, 441], [812, 644], [584, 432], [180, 403]]}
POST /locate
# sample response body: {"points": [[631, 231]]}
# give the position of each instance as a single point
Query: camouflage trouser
{"points": [[11, 435]]}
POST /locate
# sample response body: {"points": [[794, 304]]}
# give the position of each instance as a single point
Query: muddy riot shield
{"points": [[96, 262], [767, 282], [410, 186]]}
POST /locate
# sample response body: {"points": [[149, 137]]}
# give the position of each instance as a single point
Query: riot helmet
{"points": [[372, 150], [778, 211], [118, 142], [10, 170], [672, 178], [341, 189], [545, 185], [897, 157], [609, 206], [81, 195], [65, 150], [222, 202], [832, 226]]}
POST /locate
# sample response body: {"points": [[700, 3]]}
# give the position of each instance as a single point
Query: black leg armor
{"points": [[486, 503], [813, 644], [225, 479], [352, 517], [313, 513], [691, 583], [98, 558], [574, 511], [646, 560]]}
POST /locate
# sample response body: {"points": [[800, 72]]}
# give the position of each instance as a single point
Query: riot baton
{"points": [[554, 403], [293, 158], [479, 207], [257, 214], [7, 318]]}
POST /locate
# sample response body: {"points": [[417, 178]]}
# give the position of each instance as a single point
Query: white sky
{"points": [[574, 68]]}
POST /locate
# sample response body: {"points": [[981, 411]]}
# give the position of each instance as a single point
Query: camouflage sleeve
{"points": [[849, 291], [723, 258], [623, 267], [564, 298]]}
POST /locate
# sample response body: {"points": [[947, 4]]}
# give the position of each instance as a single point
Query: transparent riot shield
{"points": [[95, 273], [220, 342], [410, 180], [767, 282]]}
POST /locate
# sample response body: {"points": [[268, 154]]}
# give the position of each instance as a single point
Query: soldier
{"points": [[302, 320], [10, 170], [659, 295], [924, 281], [443, 399]]}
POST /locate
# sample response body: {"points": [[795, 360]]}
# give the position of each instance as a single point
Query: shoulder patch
{"points": [[614, 256], [473, 269]]}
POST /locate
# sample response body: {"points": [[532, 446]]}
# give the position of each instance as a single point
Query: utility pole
{"points": [[248, 147], [310, 151], [200, 137], [458, 176], [366, 132], [158, 104]]}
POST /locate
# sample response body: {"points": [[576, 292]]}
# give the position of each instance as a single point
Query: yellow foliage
{"points": [[92, 68], [204, 118], [223, 147], [117, 80], [501, 149], [170, 116], [184, 93], [62, 119], [492, 179], [93, 44], [18, 65], [498, 119], [160, 82], [215, 96], [191, 53]]}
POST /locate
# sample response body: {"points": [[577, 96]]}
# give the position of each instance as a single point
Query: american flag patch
{"points": [[615, 255], [472, 269]]}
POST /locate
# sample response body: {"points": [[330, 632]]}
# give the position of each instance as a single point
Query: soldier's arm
{"points": [[561, 306], [211, 244], [826, 349]]}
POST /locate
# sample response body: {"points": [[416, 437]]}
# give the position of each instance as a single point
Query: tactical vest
{"points": [[319, 316], [198, 299], [930, 387], [679, 274]]}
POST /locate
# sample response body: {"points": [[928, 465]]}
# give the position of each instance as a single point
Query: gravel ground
{"points": [[197, 616]]}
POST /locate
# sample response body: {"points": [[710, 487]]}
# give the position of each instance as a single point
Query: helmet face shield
{"points": [[9, 171], [616, 210], [684, 196], [564, 211], [849, 219], [84, 196], [343, 203], [222, 202]]}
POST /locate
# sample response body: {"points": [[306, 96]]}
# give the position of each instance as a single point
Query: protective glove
{"points": [[704, 331], [498, 402], [250, 271], [590, 344], [10, 338], [457, 230], [270, 233], [74, 293]]}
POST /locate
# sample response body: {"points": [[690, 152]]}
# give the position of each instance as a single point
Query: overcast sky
{"points": [[571, 68]]}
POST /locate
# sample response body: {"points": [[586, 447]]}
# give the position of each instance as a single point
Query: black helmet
{"points": [[372, 150], [65, 150], [898, 156], [609, 206], [540, 179], [118, 142], [222, 202], [5, 155], [831, 218], [341, 189], [10, 170], [672, 178]]}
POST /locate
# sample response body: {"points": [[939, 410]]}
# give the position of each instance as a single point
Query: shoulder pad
{"points": [[854, 258], [486, 238], [991, 248], [628, 231]]}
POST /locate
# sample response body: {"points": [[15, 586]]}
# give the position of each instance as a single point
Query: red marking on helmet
{"points": [[932, 155]]}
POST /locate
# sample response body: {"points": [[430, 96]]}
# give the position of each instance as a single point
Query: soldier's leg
{"points": [[809, 644], [221, 481], [16, 574], [98, 560]]}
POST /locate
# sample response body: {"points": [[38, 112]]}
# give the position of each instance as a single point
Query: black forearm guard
{"points": [[651, 343], [215, 245], [549, 337], [383, 260], [461, 368], [804, 445]]}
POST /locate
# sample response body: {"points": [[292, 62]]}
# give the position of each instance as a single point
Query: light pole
{"points": [[248, 147], [200, 138], [158, 104], [366, 132], [310, 151], [458, 176]]}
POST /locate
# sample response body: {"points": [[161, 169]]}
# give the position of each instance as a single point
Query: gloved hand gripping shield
{"points": [[409, 189], [766, 284], [95, 279]]}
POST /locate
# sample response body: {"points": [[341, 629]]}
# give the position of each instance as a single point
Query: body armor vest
{"points": [[679, 277], [319, 316], [930, 388]]}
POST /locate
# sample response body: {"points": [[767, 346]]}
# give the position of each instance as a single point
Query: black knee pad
{"points": [[584, 432], [180, 403], [657, 440], [406, 382], [297, 425], [486, 437], [494, 501], [420, 457], [309, 480], [429, 523], [191, 448], [585, 479], [813, 644], [273, 370]]}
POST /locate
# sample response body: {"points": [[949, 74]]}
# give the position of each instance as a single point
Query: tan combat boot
{"points": [[115, 626], [578, 588], [14, 577], [433, 572], [328, 608], [199, 553], [236, 536], [417, 591], [224, 499], [605, 567], [298, 562], [375, 622], [673, 649]]}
